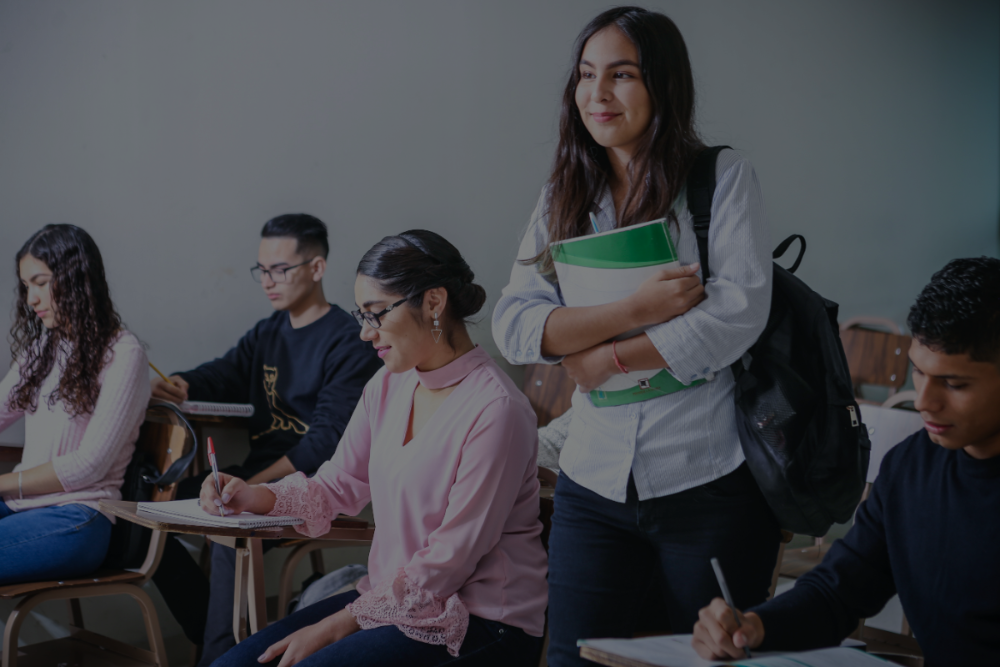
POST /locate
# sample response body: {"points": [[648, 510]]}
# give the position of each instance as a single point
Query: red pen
{"points": [[215, 473]]}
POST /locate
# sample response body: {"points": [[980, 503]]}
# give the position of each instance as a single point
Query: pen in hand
{"points": [[215, 473], [727, 597]]}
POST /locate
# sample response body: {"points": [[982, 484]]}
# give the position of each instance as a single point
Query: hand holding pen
{"points": [[722, 631]]}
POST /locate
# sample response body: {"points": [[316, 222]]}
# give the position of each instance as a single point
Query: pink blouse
{"points": [[89, 452], [456, 508]]}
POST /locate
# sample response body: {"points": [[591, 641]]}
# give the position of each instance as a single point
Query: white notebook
{"points": [[676, 651], [190, 512], [217, 409]]}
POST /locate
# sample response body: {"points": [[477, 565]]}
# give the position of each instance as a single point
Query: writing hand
{"points": [[716, 635], [164, 391]]}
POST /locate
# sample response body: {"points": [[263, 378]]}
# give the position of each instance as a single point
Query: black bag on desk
{"points": [[799, 424], [130, 541]]}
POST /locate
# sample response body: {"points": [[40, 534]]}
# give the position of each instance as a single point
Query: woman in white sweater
{"points": [[80, 380]]}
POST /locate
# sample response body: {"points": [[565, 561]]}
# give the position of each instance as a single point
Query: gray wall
{"points": [[172, 130]]}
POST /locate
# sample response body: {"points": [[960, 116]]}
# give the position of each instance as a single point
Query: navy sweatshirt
{"points": [[303, 383], [930, 531]]}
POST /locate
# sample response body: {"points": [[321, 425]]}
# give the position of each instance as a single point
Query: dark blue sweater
{"points": [[303, 383], [930, 531]]}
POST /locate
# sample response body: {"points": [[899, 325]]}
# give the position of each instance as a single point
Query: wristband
{"points": [[614, 355]]}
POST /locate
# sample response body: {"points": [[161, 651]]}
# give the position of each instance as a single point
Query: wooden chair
{"points": [[166, 441], [549, 390], [875, 357]]}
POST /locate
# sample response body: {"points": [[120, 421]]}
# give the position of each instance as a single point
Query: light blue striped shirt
{"points": [[688, 438]]}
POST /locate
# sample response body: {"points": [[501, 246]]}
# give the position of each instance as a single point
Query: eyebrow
{"points": [[39, 275], [942, 377], [369, 304], [617, 63], [273, 266]]}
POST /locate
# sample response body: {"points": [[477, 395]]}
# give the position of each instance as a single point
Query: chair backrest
{"points": [[549, 390], [876, 357], [887, 427]]}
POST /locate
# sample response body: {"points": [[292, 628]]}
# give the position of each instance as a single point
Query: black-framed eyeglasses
{"points": [[373, 318], [277, 275]]}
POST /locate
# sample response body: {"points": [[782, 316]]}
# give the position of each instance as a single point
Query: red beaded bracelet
{"points": [[614, 354]]}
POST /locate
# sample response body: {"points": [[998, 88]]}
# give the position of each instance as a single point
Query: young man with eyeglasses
{"points": [[303, 369]]}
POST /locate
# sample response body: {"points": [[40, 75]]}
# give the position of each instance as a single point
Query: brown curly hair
{"points": [[86, 325]]}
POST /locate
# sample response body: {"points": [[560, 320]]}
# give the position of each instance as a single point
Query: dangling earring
{"points": [[437, 330]]}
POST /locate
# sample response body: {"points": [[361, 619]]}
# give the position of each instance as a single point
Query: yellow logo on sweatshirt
{"points": [[281, 420]]}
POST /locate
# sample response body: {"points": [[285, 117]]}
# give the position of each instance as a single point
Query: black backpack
{"points": [[799, 425], [130, 541]]}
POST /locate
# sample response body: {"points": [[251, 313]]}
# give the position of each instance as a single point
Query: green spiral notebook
{"points": [[603, 268]]}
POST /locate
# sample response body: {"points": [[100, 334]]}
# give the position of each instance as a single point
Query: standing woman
{"points": [[660, 484], [443, 445], [81, 382]]}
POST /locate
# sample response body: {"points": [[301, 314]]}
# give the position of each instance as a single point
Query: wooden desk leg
{"points": [[240, 590], [255, 598]]}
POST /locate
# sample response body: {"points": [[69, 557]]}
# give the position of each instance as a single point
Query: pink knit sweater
{"points": [[89, 452]]}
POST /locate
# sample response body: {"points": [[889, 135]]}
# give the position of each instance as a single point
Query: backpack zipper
{"points": [[854, 415]]}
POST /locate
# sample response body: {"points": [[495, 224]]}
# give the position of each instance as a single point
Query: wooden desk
{"points": [[248, 599]]}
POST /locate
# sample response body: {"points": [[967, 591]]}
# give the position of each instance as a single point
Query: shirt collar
{"points": [[454, 371]]}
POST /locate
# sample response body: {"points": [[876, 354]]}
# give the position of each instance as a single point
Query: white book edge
{"points": [[217, 409]]}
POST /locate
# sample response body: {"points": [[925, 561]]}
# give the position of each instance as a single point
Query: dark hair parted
{"points": [[308, 231], [417, 260], [86, 322], [958, 312], [657, 171]]}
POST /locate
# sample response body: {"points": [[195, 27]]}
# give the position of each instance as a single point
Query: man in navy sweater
{"points": [[303, 369], [930, 530]]}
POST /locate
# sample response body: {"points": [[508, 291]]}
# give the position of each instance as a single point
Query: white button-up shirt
{"points": [[687, 438]]}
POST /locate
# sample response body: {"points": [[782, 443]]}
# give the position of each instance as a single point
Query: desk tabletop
{"points": [[340, 530]]}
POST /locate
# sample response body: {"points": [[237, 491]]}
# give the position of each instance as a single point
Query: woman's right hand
{"points": [[237, 496], [175, 391], [665, 295]]}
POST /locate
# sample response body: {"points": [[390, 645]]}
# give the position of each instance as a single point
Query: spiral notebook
{"points": [[190, 512], [217, 409]]}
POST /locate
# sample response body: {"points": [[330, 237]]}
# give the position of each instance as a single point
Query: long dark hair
{"points": [[417, 260], [668, 148], [86, 326]]}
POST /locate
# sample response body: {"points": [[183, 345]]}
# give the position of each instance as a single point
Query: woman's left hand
{"points": [[301, 644], [590, 368]]}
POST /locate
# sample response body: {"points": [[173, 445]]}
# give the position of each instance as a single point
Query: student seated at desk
{"points": [[930, 530], [444, 446], [79, 380], [303, 369]]}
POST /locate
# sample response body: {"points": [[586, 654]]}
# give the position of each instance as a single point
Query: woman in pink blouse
{"points": [[444, 446], [81, 382]]}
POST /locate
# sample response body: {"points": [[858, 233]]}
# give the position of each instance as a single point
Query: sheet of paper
{"points": [[676, 651], [190, 512]]}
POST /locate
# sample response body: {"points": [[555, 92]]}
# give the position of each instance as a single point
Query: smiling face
{"points": [[37, 279], [280, 253], [404, 340], [611, 96], [957, 399]]}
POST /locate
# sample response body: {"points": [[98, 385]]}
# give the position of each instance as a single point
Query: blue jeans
{"points": [[603, 556], [487, 644], [62, 542]]}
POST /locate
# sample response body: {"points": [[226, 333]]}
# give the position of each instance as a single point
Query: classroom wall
{"points": [[173, 130]]}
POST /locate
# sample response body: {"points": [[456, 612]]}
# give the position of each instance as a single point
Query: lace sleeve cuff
{"points": [[296, 496], [418, 613]]}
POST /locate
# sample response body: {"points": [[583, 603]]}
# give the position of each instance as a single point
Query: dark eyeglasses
{"points": [[276, 275], [373, 318]]}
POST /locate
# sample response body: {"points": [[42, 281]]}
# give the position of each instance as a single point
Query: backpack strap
{"points": [[176, 470], [700, 190]]}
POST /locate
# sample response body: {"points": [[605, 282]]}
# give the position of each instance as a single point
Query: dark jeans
{"points": [[179, 577], [58, 542], [603, 554], [219, 636], [487, 644]]}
